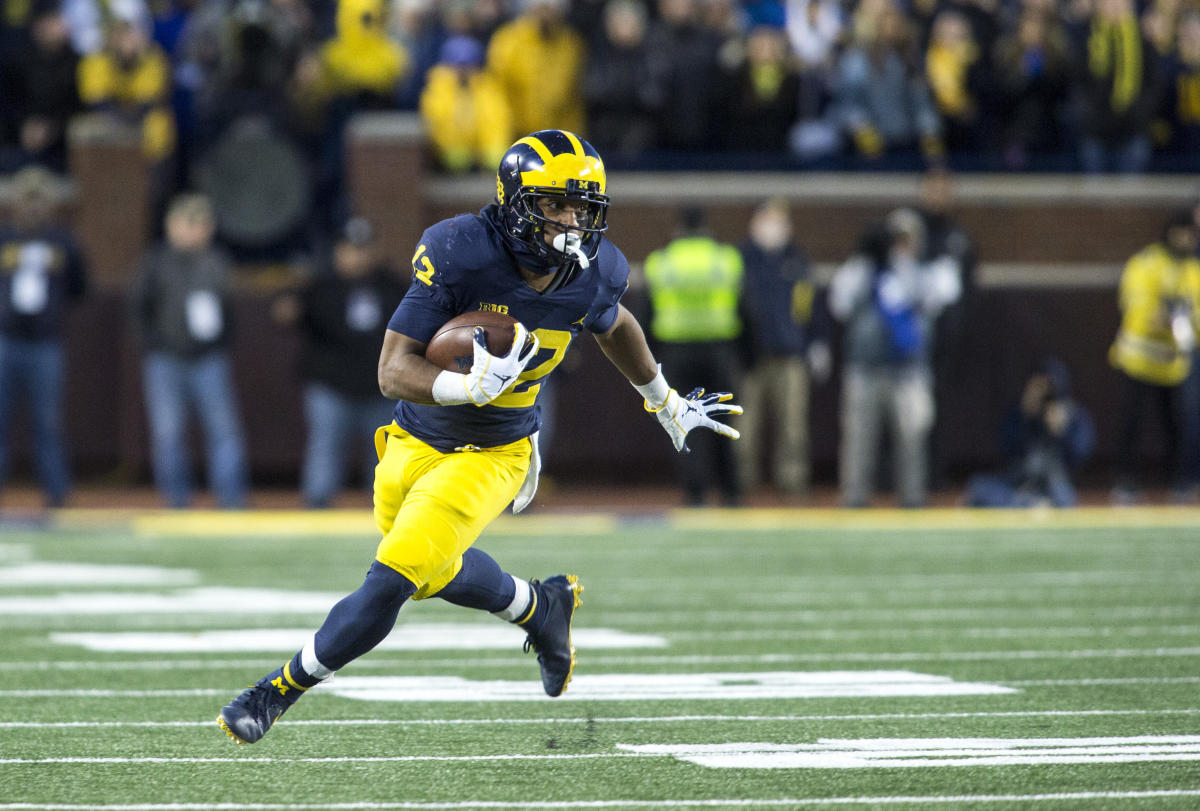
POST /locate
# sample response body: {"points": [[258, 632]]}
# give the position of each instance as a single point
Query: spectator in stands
{"points": [[760, 96], [1181, 104], [41, 273], [465, 111], [815, 30], [1120, 91], [695, 287], [420, 27], [238, 57], [685, 59], [956, 69], [1045, 439], [784, 325], [39, 95], [1154, 347], [362, 66], [90, 21], [620, 87], [1032, 75], [881, 100], [181, 308], [342, 314], [888, 299], [538, 60], [130, 80]]}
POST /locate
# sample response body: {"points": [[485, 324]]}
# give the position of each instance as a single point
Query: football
{"points": [[452, 347]]}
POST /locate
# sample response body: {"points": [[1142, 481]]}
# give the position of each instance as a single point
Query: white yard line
{"points": [[204, 692], [834, 634], [634, 719], [239, 759], [789, 802], [1102, 681], [768, 658]]}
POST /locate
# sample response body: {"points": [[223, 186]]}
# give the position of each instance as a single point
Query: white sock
{"points": [[519, 607], [311, 664]]}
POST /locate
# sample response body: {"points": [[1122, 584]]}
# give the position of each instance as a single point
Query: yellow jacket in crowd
{"points": [[540, 73], [137, 89], [467, 117], [1156, 289], [362, 57]]}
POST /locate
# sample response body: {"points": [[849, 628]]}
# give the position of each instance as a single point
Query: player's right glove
{"points": [[490, 374], [680, 415]]}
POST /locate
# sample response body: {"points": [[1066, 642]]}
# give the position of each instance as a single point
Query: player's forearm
{"points": [[408, 377], [404, 374], [625, 346]]}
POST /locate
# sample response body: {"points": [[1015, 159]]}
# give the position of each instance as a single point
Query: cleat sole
{"points": [[577, 600], [221, 723]]}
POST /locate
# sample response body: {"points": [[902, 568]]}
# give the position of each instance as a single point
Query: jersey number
{"points": [[553, 346], [425, 271]]}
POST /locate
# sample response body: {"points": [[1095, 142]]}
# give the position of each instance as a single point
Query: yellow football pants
{"points": [[431, 506]]}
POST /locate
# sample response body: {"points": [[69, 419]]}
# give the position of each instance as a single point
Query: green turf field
{"points": [[726, 660]]}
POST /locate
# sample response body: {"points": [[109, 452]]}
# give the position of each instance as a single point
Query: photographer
{"points": [[1046, 438]]}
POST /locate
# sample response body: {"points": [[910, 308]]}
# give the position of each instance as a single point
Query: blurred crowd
{"points": [[1097, 85]]}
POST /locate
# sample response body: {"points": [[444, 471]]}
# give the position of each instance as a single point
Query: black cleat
{"points": [[552, 638], [248, 717]]}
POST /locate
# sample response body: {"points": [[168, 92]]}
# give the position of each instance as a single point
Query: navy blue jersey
{"points": [[461, 265]]}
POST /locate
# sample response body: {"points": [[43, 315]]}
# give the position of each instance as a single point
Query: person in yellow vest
{"points": [[1160, 312], [464, 109], [695, 289], [538, 60]]}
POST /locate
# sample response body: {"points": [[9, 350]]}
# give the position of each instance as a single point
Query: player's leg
{"points": [[544, 609], [430, 541], [431, 507], [355, 625]]}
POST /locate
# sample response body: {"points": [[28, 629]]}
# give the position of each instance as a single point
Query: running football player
{"points": [[462, 446]]}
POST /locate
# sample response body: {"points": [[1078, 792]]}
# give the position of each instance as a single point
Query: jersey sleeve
{"points": [[430, 300], [614, 281]]}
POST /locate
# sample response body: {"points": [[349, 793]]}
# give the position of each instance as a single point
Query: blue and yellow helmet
{"points": [[552, 163]]}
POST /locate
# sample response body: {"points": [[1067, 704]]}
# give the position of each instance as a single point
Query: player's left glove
{"points": [[680, 415]]}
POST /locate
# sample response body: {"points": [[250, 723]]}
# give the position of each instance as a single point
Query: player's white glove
{"points": [[490, 374], [529, 486], [680, 415]]}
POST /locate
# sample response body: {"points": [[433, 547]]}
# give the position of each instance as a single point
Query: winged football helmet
{"points": [[552, 163]]}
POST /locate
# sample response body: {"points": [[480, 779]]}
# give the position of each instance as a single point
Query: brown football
{"points": [[452, 347]]}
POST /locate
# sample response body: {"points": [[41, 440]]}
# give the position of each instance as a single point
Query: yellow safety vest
{"points": [[695, 284], [1152, 284]]}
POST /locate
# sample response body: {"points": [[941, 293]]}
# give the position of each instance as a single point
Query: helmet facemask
{"points": [[570, 243]]}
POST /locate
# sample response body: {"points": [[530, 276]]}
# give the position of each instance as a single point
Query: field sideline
{"points": [[774, 658]]}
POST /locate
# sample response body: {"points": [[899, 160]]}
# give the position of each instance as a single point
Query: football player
{"points": [[462, 446]]}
